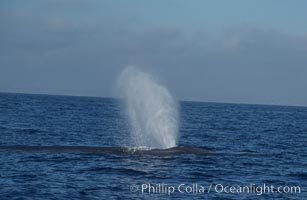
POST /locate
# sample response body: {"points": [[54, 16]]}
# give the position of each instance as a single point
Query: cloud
{"points": [[54, 51]]}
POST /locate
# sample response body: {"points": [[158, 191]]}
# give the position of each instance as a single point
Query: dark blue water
{"points": [[253, 144]]}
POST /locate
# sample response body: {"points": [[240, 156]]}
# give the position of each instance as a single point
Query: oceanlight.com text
{"points": [[169, 189]]}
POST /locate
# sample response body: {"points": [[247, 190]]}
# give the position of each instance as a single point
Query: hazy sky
{"points": [[243, 51]]}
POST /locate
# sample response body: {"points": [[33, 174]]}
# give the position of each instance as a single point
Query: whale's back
{"points": [[179, 150]]}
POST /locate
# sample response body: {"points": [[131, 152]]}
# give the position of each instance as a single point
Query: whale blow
{"points": [[152, 111]]}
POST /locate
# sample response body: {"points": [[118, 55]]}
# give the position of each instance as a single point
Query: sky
{"points": [[239, 51]]}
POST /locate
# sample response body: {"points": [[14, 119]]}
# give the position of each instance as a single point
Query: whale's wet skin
{"points": [[174, 151]]}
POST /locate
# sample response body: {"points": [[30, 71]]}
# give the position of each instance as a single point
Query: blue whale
{"points": [[173, 151]]}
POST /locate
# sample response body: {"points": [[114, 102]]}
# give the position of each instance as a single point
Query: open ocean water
{"points": [[252, 145]]}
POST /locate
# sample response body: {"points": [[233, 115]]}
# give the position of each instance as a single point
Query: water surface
{"points": [[253, 144]]}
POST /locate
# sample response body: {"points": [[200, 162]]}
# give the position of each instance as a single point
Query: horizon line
{"points": [[180, 100]]}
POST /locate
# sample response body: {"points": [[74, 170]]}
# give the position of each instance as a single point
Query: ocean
{"points": [[256, 151]]}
